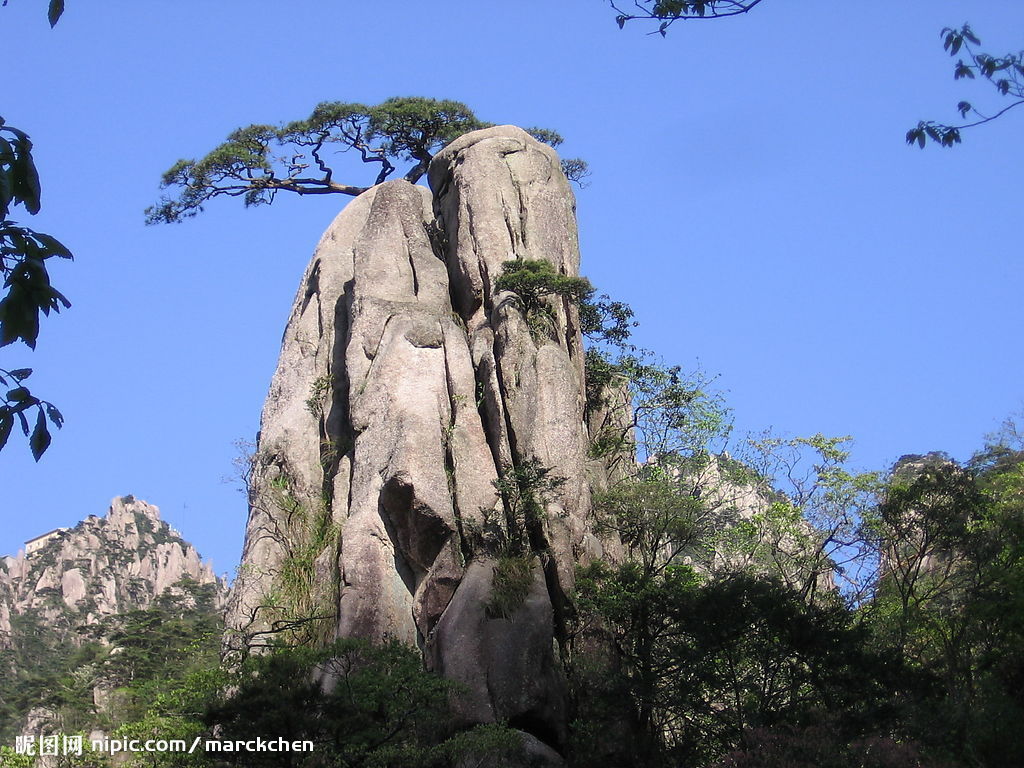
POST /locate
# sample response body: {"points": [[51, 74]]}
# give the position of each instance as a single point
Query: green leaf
{"points": [[20, 374], [55, 11], [962, 71], [27, 182], [6, 424], [55, 416], [52, 246], [18, 394], [40, 439]]}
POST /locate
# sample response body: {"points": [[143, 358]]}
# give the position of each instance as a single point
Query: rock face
{"points": [[101, 567], [407, 386]]}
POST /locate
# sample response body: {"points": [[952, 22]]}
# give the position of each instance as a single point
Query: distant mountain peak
{"points": [[123, 561]]}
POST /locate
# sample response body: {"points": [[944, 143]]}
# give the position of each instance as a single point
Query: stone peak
{"points": [[121, 505]]}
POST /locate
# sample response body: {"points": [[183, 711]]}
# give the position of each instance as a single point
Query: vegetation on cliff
{"points": [[258, 161]]}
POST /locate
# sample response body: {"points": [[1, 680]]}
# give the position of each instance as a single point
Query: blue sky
{"points": [[751, 197]]}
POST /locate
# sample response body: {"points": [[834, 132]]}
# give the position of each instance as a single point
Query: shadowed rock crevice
{"points": [[406, 386]]}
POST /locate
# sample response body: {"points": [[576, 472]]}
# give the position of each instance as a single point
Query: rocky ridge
{"points": [[101, 567]]}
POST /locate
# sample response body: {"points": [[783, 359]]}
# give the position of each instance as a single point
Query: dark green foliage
{"points": [[742, 670], [258, 161], [23, 256], [670, 414], [161, 641], [49, 666], [706, 661], [535, 281], [600, 373], [360, 704], [1005, 75], [605, 321], [653, 410], [951, 599], [27, 670], [655, 518], [749, 652]]}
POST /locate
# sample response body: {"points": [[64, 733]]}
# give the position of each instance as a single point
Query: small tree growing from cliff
{"points": [[534, 281], [258, 161]]}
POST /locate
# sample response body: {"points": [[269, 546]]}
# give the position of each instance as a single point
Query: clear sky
{"points": [[751, 197]]}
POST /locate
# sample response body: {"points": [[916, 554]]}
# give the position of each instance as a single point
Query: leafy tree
{"points": [[810, 530], [524, 489], [1005, 75], [647, 409], [32, 670], [23, 255], [533, 280], [928, 526], [668, 416], [658, 520], [258, 161], [706, 661], [951, 597], [605, 321]]}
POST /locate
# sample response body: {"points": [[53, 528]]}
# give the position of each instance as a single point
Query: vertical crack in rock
{"points": [[456, 401], [406, 384]]}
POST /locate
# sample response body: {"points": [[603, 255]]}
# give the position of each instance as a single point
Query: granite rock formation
{"points": [[407, 386]]}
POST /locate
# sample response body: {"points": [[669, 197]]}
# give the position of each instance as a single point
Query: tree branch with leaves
{"points": [[1004, 73], [667, 12], [28, 291]]}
